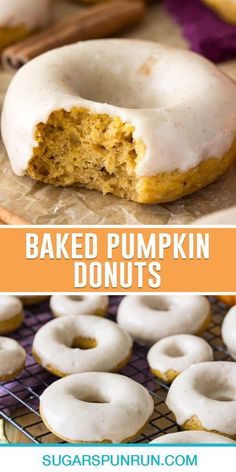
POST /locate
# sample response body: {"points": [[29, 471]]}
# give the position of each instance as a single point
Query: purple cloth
{"points": [[206, 32]]}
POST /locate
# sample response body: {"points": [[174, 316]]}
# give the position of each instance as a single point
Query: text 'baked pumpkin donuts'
{"points": [[133, 118]]}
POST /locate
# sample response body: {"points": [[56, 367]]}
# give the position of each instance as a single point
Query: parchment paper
{"points": [[43, 204]]}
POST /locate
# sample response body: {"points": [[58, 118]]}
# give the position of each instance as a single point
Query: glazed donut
{"points": [[171, 356], [192, 437], [28, 300], [165, 131], [204, 398], [96, 408], [81, 343], [62, 305], [222, 217], [12, 359], [18, 18], [226, 9], [229, 332], [149, 318], [11, 314]]}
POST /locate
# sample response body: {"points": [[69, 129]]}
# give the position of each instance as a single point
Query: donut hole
{"points": [[96, 151], [75, 298], [222, 395], [84, 343], [216, 390], [156, 303], [95, 397], [174, 351], [113, 90]]}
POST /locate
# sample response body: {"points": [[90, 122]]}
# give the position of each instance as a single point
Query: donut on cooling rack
{"points": [[165, 131], [149, 318], [171, 356], [11, 314], [96, 408], [229, 332], [19, 18], [62, 305], [192, 437], [81, 343], [204, 398], [28, 300], [12, 359]]}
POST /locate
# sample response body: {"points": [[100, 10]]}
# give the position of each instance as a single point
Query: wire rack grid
{"points": [[19, 400]]}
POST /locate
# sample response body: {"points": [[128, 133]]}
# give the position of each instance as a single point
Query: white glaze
{"points": [[30, 13], [181, 105], [192, 437], [126, 407], [222, 217], [62, 305], [12, 356], [52, 344], [9, 307], [229, 331], [178, 353], [208, 391], [149, 318]]}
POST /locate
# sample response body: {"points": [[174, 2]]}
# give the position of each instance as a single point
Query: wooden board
{"points": [[43, 204]]}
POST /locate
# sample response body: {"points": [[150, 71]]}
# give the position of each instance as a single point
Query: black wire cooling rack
{"points": [[19, 400]]}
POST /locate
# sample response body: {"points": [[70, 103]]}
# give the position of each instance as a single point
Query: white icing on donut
{"points": [[181, 106], [149, 318], [9, 307], [94, 407], [222, 217], [192, 437], [178, 353], [208, 391], [52, 344], [30, 13], [62, 305], [229, 332], [12, 356]]}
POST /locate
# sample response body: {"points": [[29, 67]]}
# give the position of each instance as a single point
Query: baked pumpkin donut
{"points": [[149, 318], [63, 305], [168, 129], [171, 356], [96, 407], [19, 18], [192, 437], [204, 398], [11, 314], [226, 9], [229, 332], [12, 359], [81, 343]]}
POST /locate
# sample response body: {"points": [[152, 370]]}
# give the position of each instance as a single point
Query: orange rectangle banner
{"points": [[117, 259]]}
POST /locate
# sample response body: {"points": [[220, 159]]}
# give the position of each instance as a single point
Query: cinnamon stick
{"points": [[9, 218], [99, 21]]}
